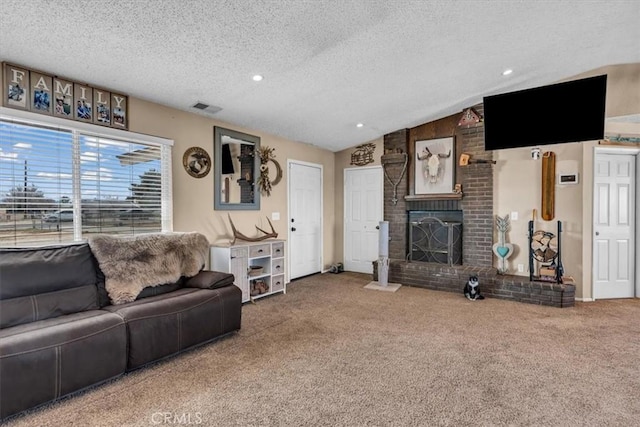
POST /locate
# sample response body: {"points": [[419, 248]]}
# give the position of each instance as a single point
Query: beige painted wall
{"points": [[342, 162], [517, 183], [623, 88], [193, 197], [517, 188]]}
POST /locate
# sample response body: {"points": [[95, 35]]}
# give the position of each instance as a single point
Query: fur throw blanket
{"points": [[130, 264]]}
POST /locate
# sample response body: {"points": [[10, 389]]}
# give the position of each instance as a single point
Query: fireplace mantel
{"points": [[418, 197]]}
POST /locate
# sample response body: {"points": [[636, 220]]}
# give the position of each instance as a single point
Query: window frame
{"points": [[79, 129]]}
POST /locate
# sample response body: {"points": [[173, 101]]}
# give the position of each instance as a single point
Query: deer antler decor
{"points": [[239, 235]]}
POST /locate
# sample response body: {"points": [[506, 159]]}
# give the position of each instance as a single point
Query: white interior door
{"points": [[305, 219], [363, 189], [614, 226]]}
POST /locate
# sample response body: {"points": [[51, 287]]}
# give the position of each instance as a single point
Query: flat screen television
{"points": [[564, 112]]}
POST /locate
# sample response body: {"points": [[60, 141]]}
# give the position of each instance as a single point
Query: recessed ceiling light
{"points": [[257, 78], [359, 125], [507, 72]]}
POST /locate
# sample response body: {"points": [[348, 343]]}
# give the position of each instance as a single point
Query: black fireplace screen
{"points": [[434, 240]]}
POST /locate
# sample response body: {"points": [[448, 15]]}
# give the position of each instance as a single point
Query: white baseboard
{"points": [[585, 299]]}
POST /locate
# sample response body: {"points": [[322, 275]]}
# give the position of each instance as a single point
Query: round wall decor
{"points": [[264, 180], [196, 162]]}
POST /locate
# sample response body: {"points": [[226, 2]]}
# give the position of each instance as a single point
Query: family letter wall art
{"points": [[42, 93]]}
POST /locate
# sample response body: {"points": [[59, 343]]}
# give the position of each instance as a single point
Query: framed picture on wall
{"points": [[41, 93], [102, 107], [16, 87], [434, 166], [83, 100], [63, 98], [119, 111]]}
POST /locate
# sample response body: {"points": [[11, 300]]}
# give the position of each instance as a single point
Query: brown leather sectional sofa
{"points": [[60, 334]]}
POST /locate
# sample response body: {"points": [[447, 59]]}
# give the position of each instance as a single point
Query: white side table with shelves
{"points": [[258, 267]]}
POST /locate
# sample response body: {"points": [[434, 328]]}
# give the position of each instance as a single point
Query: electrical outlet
{"points": [[514, 216], [520, 268]]}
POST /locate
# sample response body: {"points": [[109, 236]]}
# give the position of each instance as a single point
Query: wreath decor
{"points": [[264, 181]]}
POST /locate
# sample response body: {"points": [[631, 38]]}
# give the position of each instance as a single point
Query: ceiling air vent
{"points": [[212, 109]]}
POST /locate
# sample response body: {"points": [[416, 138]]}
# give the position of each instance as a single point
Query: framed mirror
{"points": [[237, 167]]}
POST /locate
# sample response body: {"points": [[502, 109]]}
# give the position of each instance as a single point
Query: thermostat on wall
{"points": [[567, 178]]}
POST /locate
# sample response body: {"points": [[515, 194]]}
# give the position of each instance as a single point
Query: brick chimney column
{"points": [[396, 214]]}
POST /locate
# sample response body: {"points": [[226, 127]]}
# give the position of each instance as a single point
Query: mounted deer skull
{"points": [[432, 167]]}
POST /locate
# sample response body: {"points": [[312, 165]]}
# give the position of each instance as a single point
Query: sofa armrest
{"points": [[207, 279]]}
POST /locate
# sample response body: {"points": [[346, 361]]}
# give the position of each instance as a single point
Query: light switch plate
{"points": [[514, 216], [275, 216]]}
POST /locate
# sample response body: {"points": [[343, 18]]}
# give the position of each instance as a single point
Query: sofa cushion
{"points": [[16, 311], [41, 283], [210, 280], [166, 324], [32, 271], [44, 360], [151, 291]]}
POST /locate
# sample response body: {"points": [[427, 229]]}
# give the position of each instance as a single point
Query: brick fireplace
{"points": [[476, 205]]}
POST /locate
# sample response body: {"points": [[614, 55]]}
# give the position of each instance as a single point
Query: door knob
{"points": [[293, 229], [597, 233]]}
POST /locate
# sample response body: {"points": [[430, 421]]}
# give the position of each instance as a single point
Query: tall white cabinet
{"points": [[258, 267]]}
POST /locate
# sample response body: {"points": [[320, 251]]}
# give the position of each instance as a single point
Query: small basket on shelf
{"points": [[255, 270]]}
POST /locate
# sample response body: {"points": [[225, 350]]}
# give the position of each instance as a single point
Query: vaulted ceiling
{"points": [[327, 65]]}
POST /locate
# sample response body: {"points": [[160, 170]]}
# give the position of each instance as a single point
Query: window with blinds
{"points": [[62, 185]]}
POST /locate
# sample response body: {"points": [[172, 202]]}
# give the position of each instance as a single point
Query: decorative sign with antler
{"points": [[434, 170], [465, 159], [238, 235]]}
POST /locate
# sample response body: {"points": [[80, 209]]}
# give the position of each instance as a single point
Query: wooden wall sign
{"points": [[469, 117], [47, 94], [363, 155], [548, 185]]}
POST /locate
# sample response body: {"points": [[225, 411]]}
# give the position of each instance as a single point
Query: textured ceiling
{"points": [[327, 64]]}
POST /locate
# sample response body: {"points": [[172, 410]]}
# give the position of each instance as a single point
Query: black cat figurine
{"points": [[472, 289]]}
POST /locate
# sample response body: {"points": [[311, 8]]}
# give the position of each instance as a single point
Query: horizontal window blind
{"points": [[36, 180], [120, 186], [63, 185]]}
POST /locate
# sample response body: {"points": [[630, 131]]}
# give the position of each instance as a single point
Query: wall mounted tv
{"points": [[564, 112]]}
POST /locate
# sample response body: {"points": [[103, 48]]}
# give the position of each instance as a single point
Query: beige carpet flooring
{"points": [[331, 353]]}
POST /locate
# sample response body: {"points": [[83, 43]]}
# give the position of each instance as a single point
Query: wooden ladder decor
{"points": [[548, 185]]}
